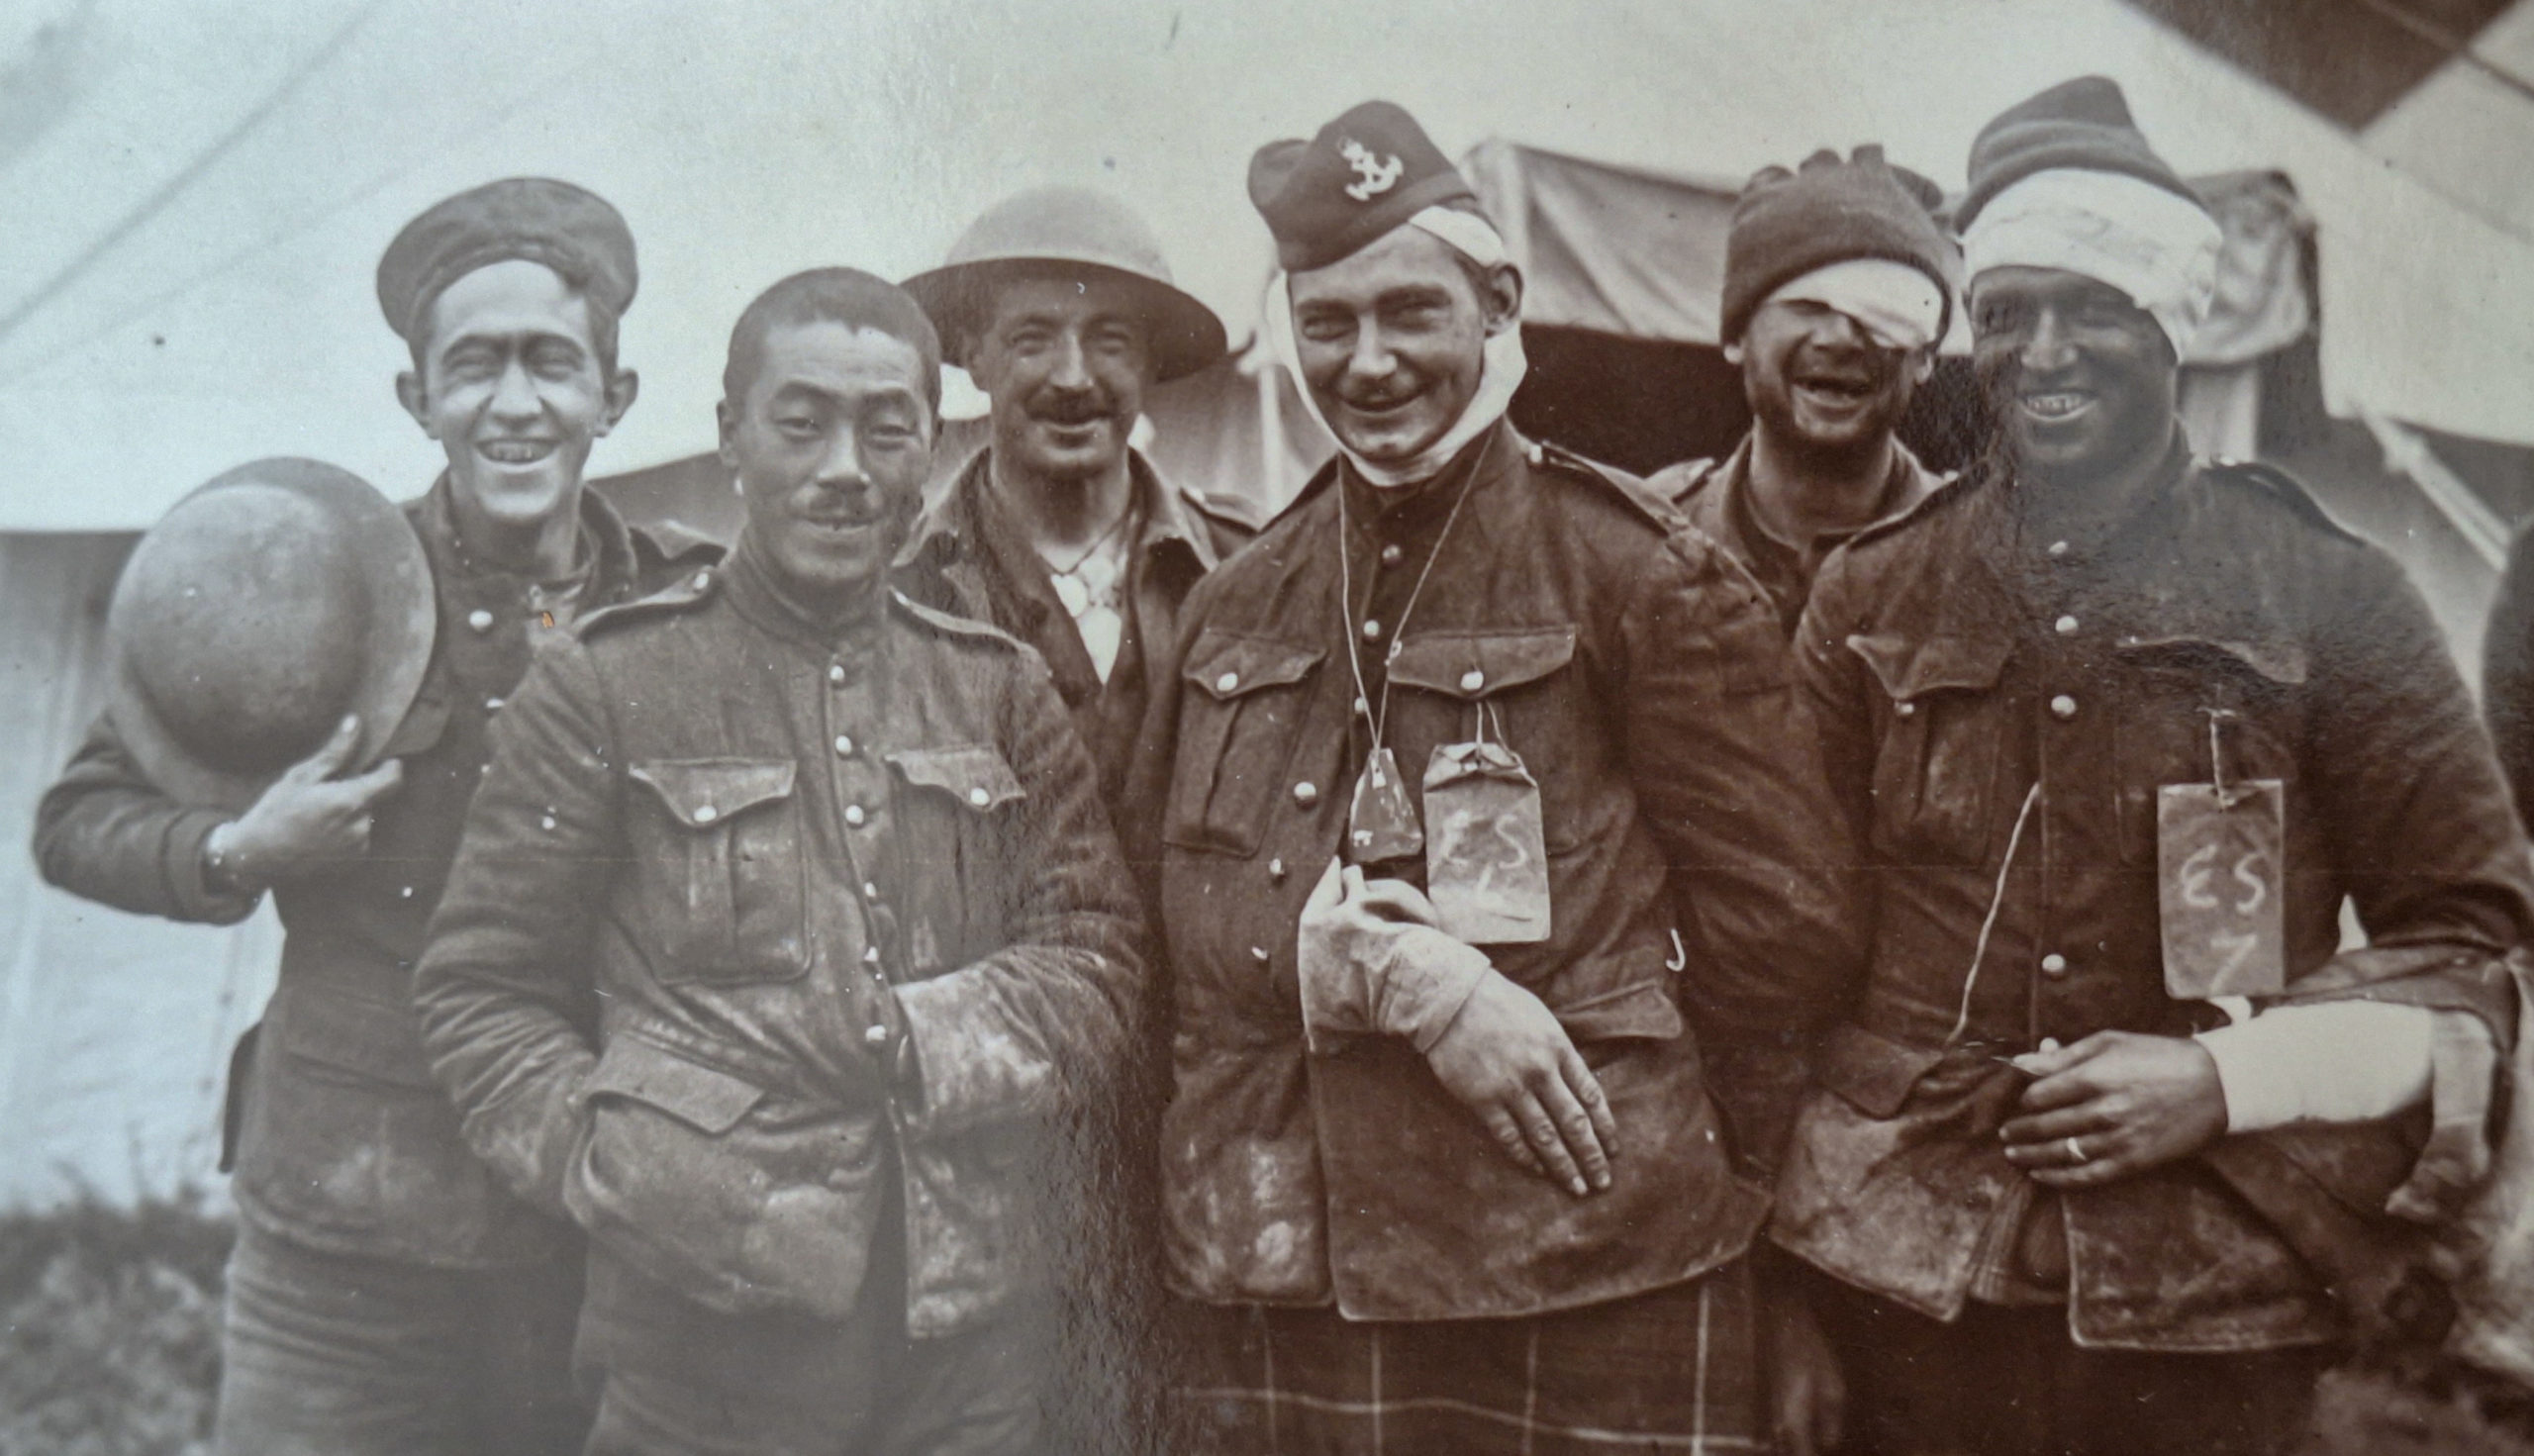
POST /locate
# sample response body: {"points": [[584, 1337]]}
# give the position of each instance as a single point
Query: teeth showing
{"points": [[515, 453], [2054, 406]]}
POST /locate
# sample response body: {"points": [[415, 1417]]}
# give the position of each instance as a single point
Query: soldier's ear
{"points": [[1502, 299], [622, 388], [1923, 364], [417, 402]]}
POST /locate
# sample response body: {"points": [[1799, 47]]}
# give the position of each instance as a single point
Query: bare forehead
{"points": [[1404, 260], [511, 298], [837, 359]]}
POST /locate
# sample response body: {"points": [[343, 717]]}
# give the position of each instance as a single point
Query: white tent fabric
{"points": [[198, 189]]}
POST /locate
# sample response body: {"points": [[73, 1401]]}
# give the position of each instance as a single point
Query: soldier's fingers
{"points": [[1588, 1091], [1540, 1130], [1398, 900], [2062, 1088], [1326, 894], [378, 782], [332, 755], [2042, 1129], [1508, 1137], [1577, 1133]]}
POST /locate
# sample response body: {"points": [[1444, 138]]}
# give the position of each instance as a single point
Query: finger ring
{"points": [[2076, 1151]]}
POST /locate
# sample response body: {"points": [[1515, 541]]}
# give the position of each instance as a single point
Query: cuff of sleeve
{"points": [[195, 897], [1431, 977], [968, 1070], [2342, 1061]]}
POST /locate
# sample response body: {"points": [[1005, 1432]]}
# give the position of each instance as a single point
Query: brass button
{"points": [[2054, 964], [979, 797], [706, 814], [1905, 709], [2064, 625], [2057, 548], [871, 954], [1276, 870], [835, 672], [877, 1036], [2063, 706], [843, 747], [492, 705], [1372, 630], [1473, 680], [703, 579], [1306, 793], [1364, 708], [853, 815], [1258, 953], [480, 620], [1392, 556], [547, 822], [1226, 682], [870, 890]]}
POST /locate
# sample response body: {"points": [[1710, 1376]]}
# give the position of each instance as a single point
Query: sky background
{"points": [[196, 191]]}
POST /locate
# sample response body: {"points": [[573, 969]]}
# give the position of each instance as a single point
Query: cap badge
{"points": [[1376, 174]]}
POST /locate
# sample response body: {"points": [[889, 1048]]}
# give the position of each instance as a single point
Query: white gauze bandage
{"points": [[1897, 305], [1504, 368], [2149, 242]]}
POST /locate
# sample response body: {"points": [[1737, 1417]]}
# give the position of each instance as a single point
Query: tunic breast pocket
{"points": [[958, 851], [1505, 683], [1241, 711], [1942, 745], [726, 848], [2177, 689]]}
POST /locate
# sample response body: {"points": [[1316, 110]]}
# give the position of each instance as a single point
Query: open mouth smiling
{"points": [[514, 451], [2055, 405]]}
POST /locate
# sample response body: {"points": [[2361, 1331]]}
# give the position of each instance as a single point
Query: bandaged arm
{"points": [[2341, 1061], [1370, 963]]}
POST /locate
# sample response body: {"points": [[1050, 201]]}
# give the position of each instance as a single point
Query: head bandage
{"points": [[2156, 247], [1505, 362], [1895, 303]]}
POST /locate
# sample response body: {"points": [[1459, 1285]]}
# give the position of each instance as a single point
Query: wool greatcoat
{"points": [[1967, 676], [1639, 674]]}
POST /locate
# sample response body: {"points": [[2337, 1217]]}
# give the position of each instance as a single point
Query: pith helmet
{"points": [[1067, 228], [266, 605]]}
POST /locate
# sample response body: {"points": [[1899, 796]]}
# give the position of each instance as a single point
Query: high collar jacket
{"points": [[856, 922], [1961, 668], [1639, 676], [967, 556], [347, 1144]]}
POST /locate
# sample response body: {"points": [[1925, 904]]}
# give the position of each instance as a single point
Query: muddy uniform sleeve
{"points": [[105, 834], [1017, 1033], [507, 970], [1726, 766]]}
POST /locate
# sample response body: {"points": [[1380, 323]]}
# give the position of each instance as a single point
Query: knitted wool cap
{"points": [[1365, 173], [2081, 124], [568, 228], [1787, 224]]}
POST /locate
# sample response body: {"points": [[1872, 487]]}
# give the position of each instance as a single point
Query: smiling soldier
{"points": [[2112, 1120], [836, 868], [1437, 1167], [386, 1294]]}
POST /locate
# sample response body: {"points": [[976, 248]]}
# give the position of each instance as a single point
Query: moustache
{"points": [[1069, 409]]}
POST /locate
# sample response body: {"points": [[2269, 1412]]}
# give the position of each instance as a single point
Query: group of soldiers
{"points": [[1799, 952]]}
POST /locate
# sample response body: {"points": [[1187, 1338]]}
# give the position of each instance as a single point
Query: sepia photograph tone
{"points": [[970, 728]]}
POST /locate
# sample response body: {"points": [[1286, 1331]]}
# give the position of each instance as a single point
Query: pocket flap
{"points": [[1908, 668], [707, 1100], [703, 792], [1646, 1012], [1473, 664], [2282, 662], [1225, 666], [976, 775], [1873, 1074]]}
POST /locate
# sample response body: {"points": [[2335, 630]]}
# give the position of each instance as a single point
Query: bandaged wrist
{"points": [[2342, 1061], [1428, 979]]}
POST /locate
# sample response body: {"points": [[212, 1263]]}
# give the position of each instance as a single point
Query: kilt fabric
{"points": [[1672, 1371]]}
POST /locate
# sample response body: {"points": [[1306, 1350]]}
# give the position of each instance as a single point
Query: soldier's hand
{"points": [[2115, 1103], [1505, 1057], [308, 818]]}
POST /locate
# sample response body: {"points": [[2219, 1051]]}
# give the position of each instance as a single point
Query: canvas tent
{"points": [[198, 189]]}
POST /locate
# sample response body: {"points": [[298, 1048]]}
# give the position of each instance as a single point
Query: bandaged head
{"points": [[1842, 232], [2065, 181], [1371, 171]]}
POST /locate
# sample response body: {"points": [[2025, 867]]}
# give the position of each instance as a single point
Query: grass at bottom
{"points": [[109, 1328]]}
